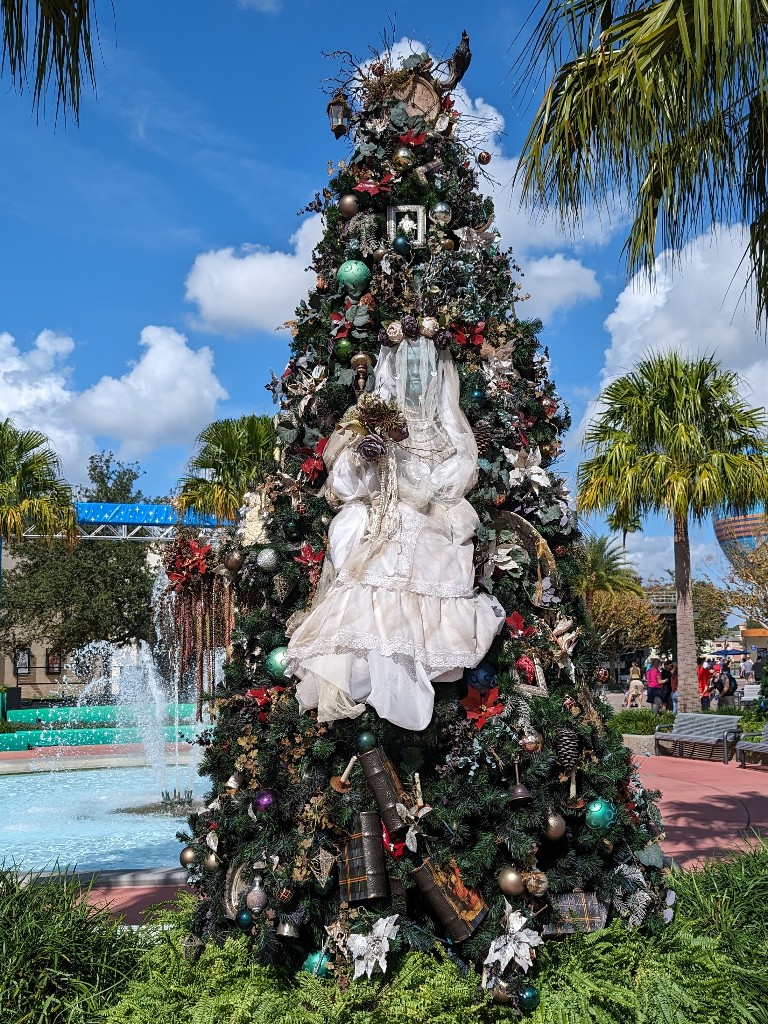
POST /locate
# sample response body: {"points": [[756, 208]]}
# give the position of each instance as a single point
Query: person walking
{"points": [[705, 677], [665, 675], [673, 687], [635, 690], [654, 692]]}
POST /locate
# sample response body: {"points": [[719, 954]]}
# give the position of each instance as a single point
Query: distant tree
{"points": [[47, 44], [711, 605], [64, 596], [603, 569], [674, 435], [625, 623], [747, 583], [233, 455]]}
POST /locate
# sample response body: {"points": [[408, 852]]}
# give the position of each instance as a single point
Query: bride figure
{"points": [[396, 609]]}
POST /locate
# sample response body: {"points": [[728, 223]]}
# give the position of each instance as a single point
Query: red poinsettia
{"points": [[189, 561], [373, 188], [394, 847], [517, 626], [313, 465], [410, 138], [312, 559], [526, 666], [446, 103], [261, 695], [482, 706], [469, 335]]}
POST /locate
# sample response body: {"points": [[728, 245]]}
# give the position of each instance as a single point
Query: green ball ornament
{"points": [[601, 814], [276, 662], [402, 246], [343, 348], [366, 741], [354, 275], [317, 963], [529, 998], [323, 888], [244, 920], [291, 528]]}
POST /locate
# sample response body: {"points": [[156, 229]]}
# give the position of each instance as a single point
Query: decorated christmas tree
{"points": [[408, 749]]}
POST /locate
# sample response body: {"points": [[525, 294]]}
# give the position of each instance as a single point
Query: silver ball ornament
{"points": [[441, 214], [268, 560]]}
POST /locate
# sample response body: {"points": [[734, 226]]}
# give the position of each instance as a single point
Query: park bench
{"points": [[751, 743], [698, 731], [748, 693]]}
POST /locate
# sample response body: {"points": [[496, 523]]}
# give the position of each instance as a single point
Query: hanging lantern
{"points": [[339, 114]]}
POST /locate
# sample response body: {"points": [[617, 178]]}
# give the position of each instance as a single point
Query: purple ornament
{"points": [[384, 337], [443, 339], [371, 448], [263, 801], [410, 326]]}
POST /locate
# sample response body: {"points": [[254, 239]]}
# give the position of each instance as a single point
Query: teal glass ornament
{"points": [[354, 275], [477, 396], [402, 246], [291, 528], [366, 741], [529, 998], [317, 964], [244, 920], [601, 814], [276, 662]]}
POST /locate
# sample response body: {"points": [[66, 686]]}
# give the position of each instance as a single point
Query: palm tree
{"points": [[49, 41], [674, 436], [32, 494], [603, 569], [233, 455], [662, 104]]}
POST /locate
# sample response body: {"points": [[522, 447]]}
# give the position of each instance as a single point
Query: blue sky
{"points": [[149, 253]]}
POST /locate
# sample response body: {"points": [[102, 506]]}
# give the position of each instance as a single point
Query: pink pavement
{"points": [[708, 808]]}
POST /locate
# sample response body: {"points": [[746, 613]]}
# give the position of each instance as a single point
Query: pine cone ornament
{"points": [[283, 586], [567, 748], [483, 432]]}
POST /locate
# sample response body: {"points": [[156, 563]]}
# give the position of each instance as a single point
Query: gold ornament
{"points": [[484, 158], [511, 881], [378, 255], [211, 862], [348, 206], [378, 68], [537, 883], [403, 158], [555, 826], [447, 244], [361, 363], [188, 857]]}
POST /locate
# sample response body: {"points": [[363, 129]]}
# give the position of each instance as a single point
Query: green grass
{"points": [[60, 960]]}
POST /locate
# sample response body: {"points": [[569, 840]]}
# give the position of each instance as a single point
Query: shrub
{"points": [[60, 958], [640, 722]]}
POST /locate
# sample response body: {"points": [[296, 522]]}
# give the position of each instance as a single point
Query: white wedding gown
{"points": [[396, 608]]}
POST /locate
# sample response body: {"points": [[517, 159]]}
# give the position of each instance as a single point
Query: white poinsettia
{"points": [[526, 468], [412, 816], [369, 950], [517, 943]]}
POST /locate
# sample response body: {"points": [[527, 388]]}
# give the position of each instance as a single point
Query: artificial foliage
{"points": [[515, 750]]}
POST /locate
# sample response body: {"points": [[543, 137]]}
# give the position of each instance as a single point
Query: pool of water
{"points": [[75, 818]]}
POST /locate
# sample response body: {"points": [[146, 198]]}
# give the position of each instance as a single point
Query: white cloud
{"points": [[653, 554], [252, 288], [693, 307], [556, 283], [164, 399], [167, 396]]}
